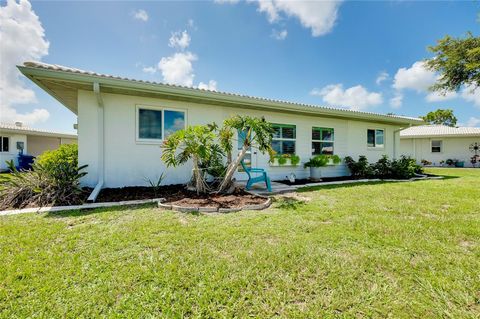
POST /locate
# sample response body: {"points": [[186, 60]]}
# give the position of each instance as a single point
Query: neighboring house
{"points": [[122, 123], [436, 143], [16, 138]]}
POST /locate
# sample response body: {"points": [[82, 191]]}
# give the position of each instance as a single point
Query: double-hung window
{"points": [[322, 141], [375, 138], [4, 144], [284, 138], [436, 146], [155, 124]]}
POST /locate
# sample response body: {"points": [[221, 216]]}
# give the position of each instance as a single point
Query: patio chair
{"points": [[252, 180]]}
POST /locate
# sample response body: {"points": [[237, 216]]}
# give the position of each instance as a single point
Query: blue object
{"points": [[252, 180], [25, 161]]}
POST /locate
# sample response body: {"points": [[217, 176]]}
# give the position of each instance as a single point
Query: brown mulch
{"points": [[178, 195]]}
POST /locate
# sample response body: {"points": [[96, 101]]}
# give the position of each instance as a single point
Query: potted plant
{"points": [[450, 162], [317, 162], [425, 162], [285, 160]]}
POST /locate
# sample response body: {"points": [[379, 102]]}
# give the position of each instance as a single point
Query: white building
{"points": [[437, 143], [16, 138], [122, 123]]}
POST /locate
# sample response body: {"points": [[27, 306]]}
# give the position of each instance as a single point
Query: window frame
{"points": [[375, 147], [1, 144], [440, 147], [138, 107], [321, 141], [282, 139]]}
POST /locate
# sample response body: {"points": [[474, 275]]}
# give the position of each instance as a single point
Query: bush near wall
{"points": [[403, 168]]}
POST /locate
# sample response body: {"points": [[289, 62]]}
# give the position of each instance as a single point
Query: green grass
{"points": [[399, 250]]}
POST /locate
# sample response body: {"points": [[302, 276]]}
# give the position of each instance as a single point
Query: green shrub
{"points": [[53, 180], [403, 168], [360, 169], [317, 161], [382, 168], [295, 159]]}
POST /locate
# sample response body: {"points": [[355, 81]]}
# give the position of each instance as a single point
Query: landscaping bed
{"points": [[304, 181]]}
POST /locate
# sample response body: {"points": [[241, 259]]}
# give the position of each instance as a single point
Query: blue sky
{"points": [[362, 55]]}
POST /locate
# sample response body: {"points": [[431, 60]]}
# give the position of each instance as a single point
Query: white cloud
{"points": [[417, 78], [356, 97], [439, 97], [473, 122], [318, 16], [470, 94], [191, 24], [279, 35], [178, 68], [211, 85], [149, 69], [141, 15], [22, 39], [382, 76], [396, 101], [179, 40]]}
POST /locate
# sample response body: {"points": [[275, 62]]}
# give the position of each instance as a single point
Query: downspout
{"points": [[101, 143]]}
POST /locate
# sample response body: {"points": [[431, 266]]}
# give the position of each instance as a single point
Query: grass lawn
{"points": [[399, 250]]}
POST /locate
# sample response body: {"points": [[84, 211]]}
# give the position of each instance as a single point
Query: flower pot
{"points": [[316, 173], [459, 164]]}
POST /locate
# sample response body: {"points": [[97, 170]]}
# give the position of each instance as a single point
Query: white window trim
{"points": [[9, 144], [281, 139], [321, 141], [374, 148], [441, 146], [155, 108]]}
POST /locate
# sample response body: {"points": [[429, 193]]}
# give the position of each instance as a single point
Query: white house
{"points": [[122, 123], [16, 138], [436, 143]]}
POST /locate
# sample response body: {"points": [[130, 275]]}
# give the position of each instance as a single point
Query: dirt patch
{"points": [[237, 200]]}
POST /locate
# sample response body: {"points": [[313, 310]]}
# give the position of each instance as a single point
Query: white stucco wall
{"points": [[128, 162], [452, 148], [12, 149]]}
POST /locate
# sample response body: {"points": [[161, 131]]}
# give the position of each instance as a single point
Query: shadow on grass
{"points": [[290, 203], [92, 211]]}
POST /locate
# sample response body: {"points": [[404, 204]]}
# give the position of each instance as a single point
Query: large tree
{"points": [[443, 117], [457, 60]]}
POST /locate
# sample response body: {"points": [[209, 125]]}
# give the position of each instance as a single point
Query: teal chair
{"points": [[252, 180]]}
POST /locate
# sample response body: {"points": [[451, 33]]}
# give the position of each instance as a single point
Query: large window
{"points": [[436, 146], [4, 143], [155, 124], [322, 141], [375, 138], [284, 136]]}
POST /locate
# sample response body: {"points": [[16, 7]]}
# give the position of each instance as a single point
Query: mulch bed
{"points": [[178, 195], [304, 181]]}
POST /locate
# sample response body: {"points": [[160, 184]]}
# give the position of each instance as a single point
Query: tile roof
{"points": [[439, 130], [56, 67], [26, 129]]}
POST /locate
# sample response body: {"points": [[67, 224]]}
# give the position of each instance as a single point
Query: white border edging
{"points": [[52, 209]]}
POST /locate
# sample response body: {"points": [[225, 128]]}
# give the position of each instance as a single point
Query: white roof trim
{"points": [[439, 131], [14, 129]]}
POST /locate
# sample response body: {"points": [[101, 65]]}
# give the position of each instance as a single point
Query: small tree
{"points": [[444, 117], [196, 143], [257, 132]]}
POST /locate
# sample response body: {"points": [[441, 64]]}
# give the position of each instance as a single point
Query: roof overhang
{"points": [[36, 133], [439, 136], [64, 86]]}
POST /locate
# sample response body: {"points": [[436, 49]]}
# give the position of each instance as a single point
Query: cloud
{"points": [[178, 68], [356, 97], [318, 16], [141, 15], [417, 78], [211, 85], [473, 122], [471, 94], [149, 69], [179, 40], [396, 101], [23, 39], [382, 76], [279, 35], [439, 97], [191, 24]]}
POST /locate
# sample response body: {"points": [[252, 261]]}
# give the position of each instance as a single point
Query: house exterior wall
{"points": [[452, 148], [129, 162], [12, 149], [39, 144]]}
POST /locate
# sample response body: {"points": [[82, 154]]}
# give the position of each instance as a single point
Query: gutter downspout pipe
{"points": [[101, 143]]}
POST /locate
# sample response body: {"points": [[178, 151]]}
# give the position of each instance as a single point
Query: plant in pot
{"points": [[317, 162]]}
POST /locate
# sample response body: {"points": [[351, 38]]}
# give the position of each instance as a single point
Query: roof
{"points": [[439, 131], [16, 129], [64, 82]]}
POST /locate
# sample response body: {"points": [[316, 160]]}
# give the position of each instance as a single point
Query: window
{"points": [[436, 146], [155, 124], [4, 143], [375, 138], [322, 141], [283, 141]]}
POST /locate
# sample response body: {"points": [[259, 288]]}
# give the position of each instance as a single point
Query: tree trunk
{"points": [[200, 186], [232, 167]]}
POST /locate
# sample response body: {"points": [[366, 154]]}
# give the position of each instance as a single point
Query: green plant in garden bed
{"points": [[403, 168]]}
